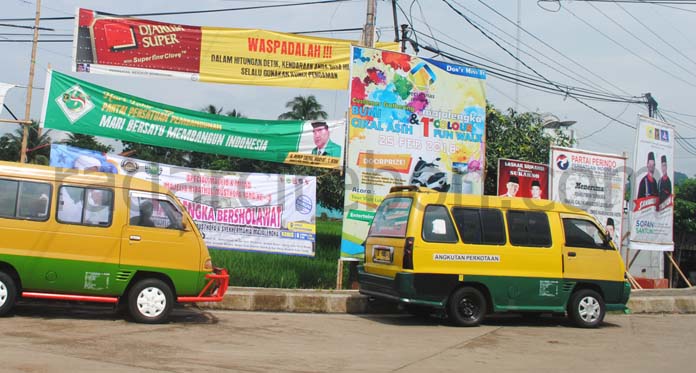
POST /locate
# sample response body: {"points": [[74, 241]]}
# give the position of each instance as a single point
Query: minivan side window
{"points": [[85, 206], [437, 225], [480, 226], [154, 212], [24, 200], [583, 233], [529, 228]]}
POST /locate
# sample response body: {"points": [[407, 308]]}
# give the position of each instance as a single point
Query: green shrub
{"points": [[251, 269]]}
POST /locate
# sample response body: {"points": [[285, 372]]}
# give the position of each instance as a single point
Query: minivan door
{"points": [[155, 240], [587, 253]]}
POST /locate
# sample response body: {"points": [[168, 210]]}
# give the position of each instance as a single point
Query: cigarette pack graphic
{"points": [[119, 37]]}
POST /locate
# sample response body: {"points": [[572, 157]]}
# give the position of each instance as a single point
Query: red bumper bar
{"points": [[214, 290]]}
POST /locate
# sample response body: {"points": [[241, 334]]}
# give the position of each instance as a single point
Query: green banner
{"points": [[77, 106]]}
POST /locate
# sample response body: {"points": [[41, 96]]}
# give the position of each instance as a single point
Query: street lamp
{"points": [[552, 122]]}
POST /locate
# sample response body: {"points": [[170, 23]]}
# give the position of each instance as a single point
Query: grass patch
{"points": [[284, 271]]}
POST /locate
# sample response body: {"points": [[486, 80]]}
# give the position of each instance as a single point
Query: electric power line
{"points": [[641, 40], [581, 66], [628, 50], [184, 12], [532, 69]]}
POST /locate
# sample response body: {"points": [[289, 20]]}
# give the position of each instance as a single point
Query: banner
{"points": [[652, 200], [77, 106], [591, 181], [411, 121], [4, 87], [109, 44], [523, 179], [233, 210]]}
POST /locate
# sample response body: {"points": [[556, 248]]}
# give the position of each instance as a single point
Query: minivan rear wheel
{"points": [[466, 307], [8, 293], [150, 301], [586, 308]]}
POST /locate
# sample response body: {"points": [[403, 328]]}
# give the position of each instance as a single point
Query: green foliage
{"points": [[303, 108], [516, 135], [87, 142], [679, 177], [282, 271], [38, 147], [685, 207]]}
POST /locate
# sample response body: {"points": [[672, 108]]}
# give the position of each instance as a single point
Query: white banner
{"points": [[652, 199], [234, 211], [4, 87], [591, 181]]}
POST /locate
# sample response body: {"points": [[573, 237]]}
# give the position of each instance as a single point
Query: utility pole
{"points": [[396, 23], [404, 37], [368, 38], [652, 105], [30, 86]]}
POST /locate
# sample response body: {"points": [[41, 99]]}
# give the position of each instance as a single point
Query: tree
{"points": [[684, 207], [86, 142], [516, 136], [303, 108], [38, 147]]}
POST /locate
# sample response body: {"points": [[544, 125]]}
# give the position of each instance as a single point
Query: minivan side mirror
{"points": [[607, 242]]}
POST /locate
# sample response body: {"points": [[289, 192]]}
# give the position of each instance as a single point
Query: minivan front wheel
{"points": [[8, 293], [466, 307], [587, 308], [150, 301]]}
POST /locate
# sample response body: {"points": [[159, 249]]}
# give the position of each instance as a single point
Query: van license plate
{"points": [[382, 254]]}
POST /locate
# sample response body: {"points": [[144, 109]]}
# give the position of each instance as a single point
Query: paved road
{"points": [[40, 338]]}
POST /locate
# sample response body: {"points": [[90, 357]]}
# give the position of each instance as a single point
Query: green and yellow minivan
{"points": [[98, 237], [472, 255]]}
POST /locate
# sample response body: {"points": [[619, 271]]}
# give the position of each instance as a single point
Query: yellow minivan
{"points": [[98, 237], [472, 255]]}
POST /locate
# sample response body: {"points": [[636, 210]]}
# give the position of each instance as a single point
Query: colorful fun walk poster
{"points": [[652, 200], [233, 210], [522, 179], [594, 182], [109, 44], [77, 106], [412, 121]]}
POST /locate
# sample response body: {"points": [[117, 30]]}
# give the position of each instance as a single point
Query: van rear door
{"points": [[384, 248]]}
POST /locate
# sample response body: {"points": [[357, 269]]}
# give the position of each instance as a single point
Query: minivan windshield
{"points": [[391, 217]]}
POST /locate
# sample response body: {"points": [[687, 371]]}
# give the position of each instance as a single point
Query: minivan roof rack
{"points": [[404, 188]]}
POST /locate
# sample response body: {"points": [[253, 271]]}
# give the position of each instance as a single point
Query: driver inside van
{"points": [[145, 217]]}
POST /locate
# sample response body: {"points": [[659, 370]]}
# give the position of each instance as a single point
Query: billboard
{"points": [[591, 181], [233, 210], [108, 44], [412, 121], [652, 200], [523, 179], [77, 106]]}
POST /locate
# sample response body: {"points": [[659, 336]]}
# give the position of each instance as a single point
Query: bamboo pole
{"points": [[32, 64], [669, 255]]}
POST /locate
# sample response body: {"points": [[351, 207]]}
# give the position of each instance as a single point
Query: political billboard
{"points": [[233, 210], [591, 181], [109, 44], [77, 106], [652, 201], [412, 121], [523, 179]]}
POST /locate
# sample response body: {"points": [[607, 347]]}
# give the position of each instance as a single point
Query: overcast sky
{"points": [[626, 50]]}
